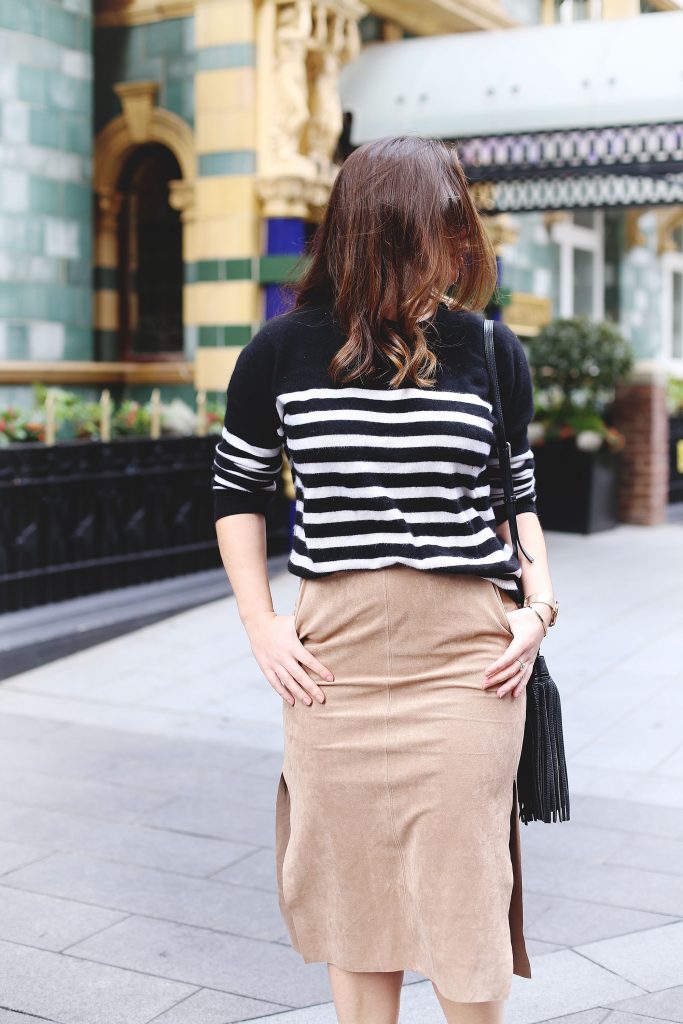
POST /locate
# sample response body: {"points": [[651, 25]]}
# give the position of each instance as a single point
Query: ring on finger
{"points": [[522, 664]]}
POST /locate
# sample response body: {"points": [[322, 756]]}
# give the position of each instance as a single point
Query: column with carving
{"points": [[302, 45]]}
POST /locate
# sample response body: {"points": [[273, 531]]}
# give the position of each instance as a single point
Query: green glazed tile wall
{"points": [[45, 179], [161, 51]]}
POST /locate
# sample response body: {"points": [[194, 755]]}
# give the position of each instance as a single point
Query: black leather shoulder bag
{"points": [[542, 786]]}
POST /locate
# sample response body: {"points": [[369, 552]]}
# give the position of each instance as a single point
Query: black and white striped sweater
{"points": [[382, 475]]}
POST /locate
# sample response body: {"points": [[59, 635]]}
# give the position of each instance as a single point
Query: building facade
{"points": [[163, 164]]}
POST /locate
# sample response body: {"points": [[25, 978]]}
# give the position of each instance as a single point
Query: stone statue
{"points": [[292, 39]]}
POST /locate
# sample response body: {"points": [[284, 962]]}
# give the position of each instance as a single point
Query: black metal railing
{"points": [[82, 517]]}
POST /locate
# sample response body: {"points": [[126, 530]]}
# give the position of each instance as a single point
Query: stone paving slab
{"points": [[205, 958], [652, 959], [210, 1007], [571, 922], [128, 843], [48, 923], [81, 796], [161, 894], [10, 1017], [664, 1005], [14, 855], [62, 988]]}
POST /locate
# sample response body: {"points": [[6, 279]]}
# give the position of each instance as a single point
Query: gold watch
{"points": [[543, 599]]}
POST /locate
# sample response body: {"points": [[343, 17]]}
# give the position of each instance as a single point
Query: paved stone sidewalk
{"points": [[137, 788]]}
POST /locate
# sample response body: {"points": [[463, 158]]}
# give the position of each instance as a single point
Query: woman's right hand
{"points": [[281, 657]]}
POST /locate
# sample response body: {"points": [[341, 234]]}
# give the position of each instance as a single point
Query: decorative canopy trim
{"points": [[633, 149], [598, 191]]}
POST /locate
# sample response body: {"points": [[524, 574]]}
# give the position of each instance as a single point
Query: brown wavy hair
{"points": [[399, 234]]}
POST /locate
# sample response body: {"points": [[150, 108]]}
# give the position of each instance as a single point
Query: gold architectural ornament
{"points": [[293, 197], [335, 41], [140, 123], [551, 217], [667, 222], [111, 13], [483, 195], [72, 371], [633, 236], [302, 45], [137, 101], [435, 17], [501, 230], [120, 137], [525, 314], [293, 30], [181, 197]]}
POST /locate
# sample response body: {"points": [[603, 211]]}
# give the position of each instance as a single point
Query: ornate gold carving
{"points": [[80, 372], [110, 13], [137, 101], [302, 46], [667, 222], [483, 195], [139, 123], [292, 36], [501, 230], [292, 196], [551, 217], [181, 197], [115, 142], [526, 314], [633, 235], [433, 17]]}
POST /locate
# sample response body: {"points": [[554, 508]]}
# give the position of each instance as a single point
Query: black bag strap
{"points": [[503, 445]]}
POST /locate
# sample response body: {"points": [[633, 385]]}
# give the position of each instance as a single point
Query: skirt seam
{"points": [[414, 915]]}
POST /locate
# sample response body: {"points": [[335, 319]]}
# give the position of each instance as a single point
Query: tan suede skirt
{"points": [[397, 825]]}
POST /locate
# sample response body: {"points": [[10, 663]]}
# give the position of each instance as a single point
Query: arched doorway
{"points": [[150, 256]]}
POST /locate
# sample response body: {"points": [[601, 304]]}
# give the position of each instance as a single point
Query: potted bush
{"points": [[577, 364], [674, 402]]}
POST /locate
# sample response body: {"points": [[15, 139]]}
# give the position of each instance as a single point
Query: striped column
{"points": [[222, 302]]}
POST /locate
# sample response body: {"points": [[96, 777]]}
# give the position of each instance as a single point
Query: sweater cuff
{"points": [[527, 503], [230, 503]]}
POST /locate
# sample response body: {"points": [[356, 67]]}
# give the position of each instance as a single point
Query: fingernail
{"points": [[329, 678], [320, 698]]}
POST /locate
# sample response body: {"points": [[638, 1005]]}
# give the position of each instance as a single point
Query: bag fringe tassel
{"points": [[542, 786]]}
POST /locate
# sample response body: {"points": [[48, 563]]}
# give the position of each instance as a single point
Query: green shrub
{"points": [[577, 364]]}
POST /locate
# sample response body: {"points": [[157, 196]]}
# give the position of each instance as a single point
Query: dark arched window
{"points": [[150, 267]]}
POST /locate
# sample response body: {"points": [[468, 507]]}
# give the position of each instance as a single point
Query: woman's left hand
{"points": [[507, 670]]}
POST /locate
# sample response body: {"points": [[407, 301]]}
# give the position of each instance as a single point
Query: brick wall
{"points": [[640, 413]]}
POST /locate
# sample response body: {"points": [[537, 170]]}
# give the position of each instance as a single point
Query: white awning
{"points": [[587, 74]]}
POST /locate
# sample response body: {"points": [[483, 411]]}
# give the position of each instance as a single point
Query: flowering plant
{"points": [[16, 425], [674, 396], [131, 419], [577, 364], [215, 415], [588, 428]]}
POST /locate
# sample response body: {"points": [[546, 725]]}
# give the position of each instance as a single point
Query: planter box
{"points": [[81, 517], [576, 491], [675, 462]]}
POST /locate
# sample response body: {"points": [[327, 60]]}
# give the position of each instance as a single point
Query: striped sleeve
{"points": [[248, 456], [516, 392]]}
